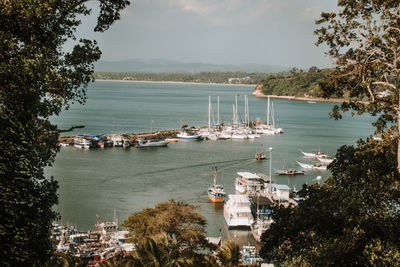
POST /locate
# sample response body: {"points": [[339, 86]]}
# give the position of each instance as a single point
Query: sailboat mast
{"points": [[273, 115], [236, 110], [218, 110], [209, 113], [268, 111]]}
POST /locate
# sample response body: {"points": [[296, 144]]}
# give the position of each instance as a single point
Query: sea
{"points": [[115, 182]]}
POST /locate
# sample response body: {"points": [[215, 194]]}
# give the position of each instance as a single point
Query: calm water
{"points": [[128, 180]]}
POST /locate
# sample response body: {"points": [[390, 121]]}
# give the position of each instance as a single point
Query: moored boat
{"points": [[249, 183], [189, 136], [315, 154], [291, 171], [314, 167], [326, 161], [148, 140], [216, 192], [258, 227], [82, 142], [237, 211]]}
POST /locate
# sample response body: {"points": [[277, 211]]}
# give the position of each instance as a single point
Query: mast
{"points": [[215, 175], [218, 111], [209, 113], [236, 109], [268, 111], [273, 114]]}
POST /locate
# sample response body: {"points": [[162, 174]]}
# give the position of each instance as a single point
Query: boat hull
{"points": [[216, 199]]}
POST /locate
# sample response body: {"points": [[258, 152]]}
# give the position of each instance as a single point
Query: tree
{"points": [[364, 42], [38, 79], [351, 220], [229, 254], [177, 219]]}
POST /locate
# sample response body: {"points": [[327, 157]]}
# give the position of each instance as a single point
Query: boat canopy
{"points": [[248, 175], [281, 186]]}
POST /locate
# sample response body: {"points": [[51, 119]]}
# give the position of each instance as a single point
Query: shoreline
{"points": [[176, 82], [299, 98]]}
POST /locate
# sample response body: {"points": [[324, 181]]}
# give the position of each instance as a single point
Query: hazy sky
{"points": [[278, 32]]}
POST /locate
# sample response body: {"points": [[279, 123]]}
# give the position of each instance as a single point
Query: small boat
{"points": [[148, 140], [326, 161], [311, 102], [189, 136], [216, 193], [291, 171], [314, 167], [315, 155], [260, 156]]}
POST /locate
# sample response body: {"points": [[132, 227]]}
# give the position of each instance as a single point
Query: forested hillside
{"points": [[200, 77], [295, 82]]}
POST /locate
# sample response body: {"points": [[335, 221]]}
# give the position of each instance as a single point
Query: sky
{"points": [[277, 32]]}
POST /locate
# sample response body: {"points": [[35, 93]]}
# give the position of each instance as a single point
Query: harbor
{"points": [[99, 181]]}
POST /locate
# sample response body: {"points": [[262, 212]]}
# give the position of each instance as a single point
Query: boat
{"points": [[172, 140], [314, 167], [260, 156], [325, 160], [82, 142], [150, 140], [315, 155], [311, 102], [249, 183], [188, 135], [216, 193], [250, 256], [291, 171], [260, 226], [237, 211]]}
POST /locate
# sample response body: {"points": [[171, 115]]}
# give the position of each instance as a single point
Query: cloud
{"points": [[234, 12]]}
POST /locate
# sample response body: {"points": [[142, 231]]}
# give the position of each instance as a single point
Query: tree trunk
{"points": [[398, 137]]}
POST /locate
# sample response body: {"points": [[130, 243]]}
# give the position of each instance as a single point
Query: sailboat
{"points": [[216, 193]]}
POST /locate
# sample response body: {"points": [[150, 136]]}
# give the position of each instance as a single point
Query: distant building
{"points": [[239, 80]]}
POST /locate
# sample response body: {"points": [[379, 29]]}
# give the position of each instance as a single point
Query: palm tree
{"points": [[229, 254]]}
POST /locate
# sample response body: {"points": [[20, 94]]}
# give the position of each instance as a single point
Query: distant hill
{"points": [[164, 65]]}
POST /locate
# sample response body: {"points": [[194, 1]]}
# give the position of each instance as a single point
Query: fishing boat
{"points": [[237, 211], [315, 154], [314, 167], [260, 155], [291, 171], [216, 193]]}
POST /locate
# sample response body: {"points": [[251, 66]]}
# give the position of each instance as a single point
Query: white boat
{"points": [[314, 167], [81, 142], [151, 143], [117, 140], [239, 136], [315, 154], [325, 161], [189, 136], [237, 211], [260, 226], [249, 183]]}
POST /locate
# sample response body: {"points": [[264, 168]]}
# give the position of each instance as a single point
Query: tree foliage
{"points": [[364, 42], [351, 220], [38, 79], [177, 219], [295, 82], [229, 254]]}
